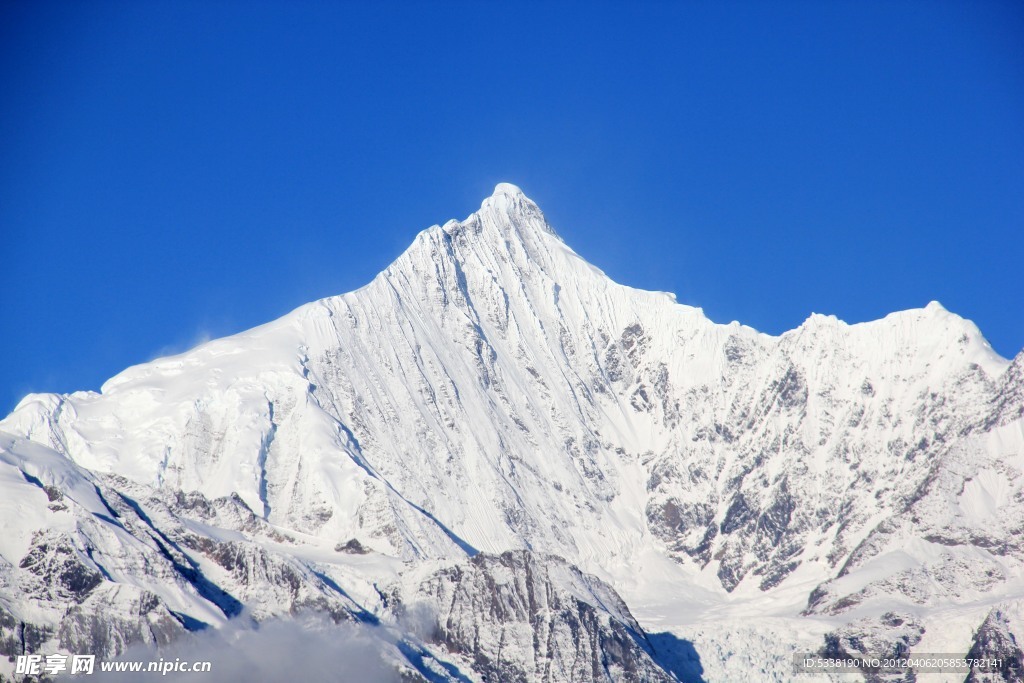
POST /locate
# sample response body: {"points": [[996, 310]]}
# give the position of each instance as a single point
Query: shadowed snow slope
{"points": [[491, 391]]}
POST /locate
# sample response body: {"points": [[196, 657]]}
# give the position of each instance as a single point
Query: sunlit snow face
{"points": [[490, 391]]}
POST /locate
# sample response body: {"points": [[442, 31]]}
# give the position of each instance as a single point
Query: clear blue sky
{"points": [[172, 170]]}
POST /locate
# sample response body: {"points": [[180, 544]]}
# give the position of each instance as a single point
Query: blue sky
{"points": [[173, 171]]}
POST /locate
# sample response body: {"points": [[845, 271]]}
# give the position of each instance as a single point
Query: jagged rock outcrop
{"points": [[890, 637], [523, 617], [995, 640]]}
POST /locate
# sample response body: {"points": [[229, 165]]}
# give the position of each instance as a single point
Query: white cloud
{"points": [[307, 648]]}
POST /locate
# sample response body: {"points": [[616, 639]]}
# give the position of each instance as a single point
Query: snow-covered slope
{"points": [[491, 391]]}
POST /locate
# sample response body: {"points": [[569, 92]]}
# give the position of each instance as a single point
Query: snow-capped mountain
{"points": [[544, 466]]}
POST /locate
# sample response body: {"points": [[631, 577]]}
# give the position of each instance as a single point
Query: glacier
{"points": [[492, 419]]}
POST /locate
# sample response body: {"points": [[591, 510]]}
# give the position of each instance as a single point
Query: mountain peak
{"points": [[507, 189], [491, 392], [508, 227], [507, 213], [510, 200]]}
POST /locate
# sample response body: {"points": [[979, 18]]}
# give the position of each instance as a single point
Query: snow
{"points": [[491, 390]]}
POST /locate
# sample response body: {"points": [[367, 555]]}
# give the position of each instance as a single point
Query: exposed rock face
{"points": [[114, 618], [996, 640], [523, 617], [890, 637]]}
